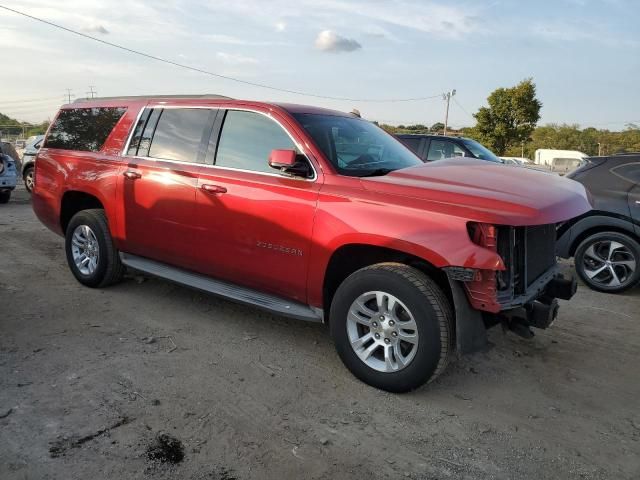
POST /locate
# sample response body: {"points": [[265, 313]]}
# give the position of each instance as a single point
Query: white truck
{"points": [[558, 161]]}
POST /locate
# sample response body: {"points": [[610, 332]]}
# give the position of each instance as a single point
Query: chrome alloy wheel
{"points": [[608, 263], [85, 249], [382, 331]]}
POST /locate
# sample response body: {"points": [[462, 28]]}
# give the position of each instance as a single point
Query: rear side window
{"points": [[412, 143], [83, 129], [181, 134], [247, 139]]}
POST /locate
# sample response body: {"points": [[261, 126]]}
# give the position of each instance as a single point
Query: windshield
{"points": [[356, 147], [480, 151]]}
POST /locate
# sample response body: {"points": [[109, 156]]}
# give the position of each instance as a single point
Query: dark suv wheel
{"points": [[608, 262], [5, 196], [392, 326], [91, 255]]}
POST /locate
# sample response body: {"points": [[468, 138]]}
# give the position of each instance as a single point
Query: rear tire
{"points": [[5, 197], [392, 326], [608, 262], [91, 255]]}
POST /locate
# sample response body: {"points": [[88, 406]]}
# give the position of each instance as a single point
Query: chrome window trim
{"points": [[280, 175]]}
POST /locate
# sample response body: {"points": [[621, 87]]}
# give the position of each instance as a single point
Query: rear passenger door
{"points": [[256, 223], [159, 180]]}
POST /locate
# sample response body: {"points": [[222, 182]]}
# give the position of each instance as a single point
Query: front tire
{"points": [[91, 255], [608, 262], [27, 177], [392, 326]]}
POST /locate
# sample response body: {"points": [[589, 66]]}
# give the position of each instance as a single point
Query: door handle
{"points": [[131, 175], [209, 188]]}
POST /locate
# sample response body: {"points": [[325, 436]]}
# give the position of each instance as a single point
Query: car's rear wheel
{"points": [[608, 262], [392, 326], [28, 179], [91, 255], [5, 197]]}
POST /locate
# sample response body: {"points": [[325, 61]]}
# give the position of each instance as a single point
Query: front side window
{"points": [[441, 149], [247, 139], [480, 151], [356, 147], [83, 129], [179, 134], [630, 172]]}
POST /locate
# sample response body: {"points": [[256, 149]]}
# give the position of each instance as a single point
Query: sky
{"points": [[583, 55]]}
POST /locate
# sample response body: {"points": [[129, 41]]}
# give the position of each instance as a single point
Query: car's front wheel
{"points": [[91, 254], [608, 262], [392, 326], [27, 176]]}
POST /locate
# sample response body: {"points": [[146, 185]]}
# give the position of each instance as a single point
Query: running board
{"points": [[226, 290]]}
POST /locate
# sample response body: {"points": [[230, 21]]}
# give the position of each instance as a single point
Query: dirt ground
{"points": [[92, 382]]}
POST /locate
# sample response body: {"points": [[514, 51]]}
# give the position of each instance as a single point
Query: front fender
{"points": [[567, 241]]}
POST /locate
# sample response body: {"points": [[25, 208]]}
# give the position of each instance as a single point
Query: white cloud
{"points": [[96, 29], [281, 26], [235, 59], [329, 41]]}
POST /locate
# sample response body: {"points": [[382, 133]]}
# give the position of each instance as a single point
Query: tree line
{"points": [[508, 126]]}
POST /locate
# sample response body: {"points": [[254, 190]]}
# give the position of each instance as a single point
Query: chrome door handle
{"points": [[131, 175], [209, 188]]}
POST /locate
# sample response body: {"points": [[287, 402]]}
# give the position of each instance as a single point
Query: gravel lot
{"points": [[90, 378]]}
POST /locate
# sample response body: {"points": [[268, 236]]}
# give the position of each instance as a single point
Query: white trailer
{"points": [[547, 156]]}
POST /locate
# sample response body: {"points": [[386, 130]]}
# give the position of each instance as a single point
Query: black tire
{"points": [[28, 174], [599, 282], [430, 308], [109, 269], [5, 197]]}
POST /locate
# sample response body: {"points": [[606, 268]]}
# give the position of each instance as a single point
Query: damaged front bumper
{"points": [[538, 308]]}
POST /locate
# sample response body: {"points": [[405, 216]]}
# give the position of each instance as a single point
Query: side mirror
{"points": [[282, 159]]}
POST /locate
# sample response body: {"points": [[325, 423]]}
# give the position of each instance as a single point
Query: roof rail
{"points": [[143, 97]]}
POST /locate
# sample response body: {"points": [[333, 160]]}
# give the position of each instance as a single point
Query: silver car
{"points": [[28, 160]]}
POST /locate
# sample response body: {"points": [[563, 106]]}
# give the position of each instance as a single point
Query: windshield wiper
{"points": [[377, 172]]}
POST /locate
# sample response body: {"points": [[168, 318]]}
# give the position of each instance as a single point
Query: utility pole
{"points": [[522, 154], [447, 98], [68, 95], [91, 91], [599, 149]]}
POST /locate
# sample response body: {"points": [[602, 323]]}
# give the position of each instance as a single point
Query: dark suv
{"points": [[437, 147], [606, 241]]}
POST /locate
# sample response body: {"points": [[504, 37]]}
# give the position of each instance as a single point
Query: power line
{"points": [[213, 74], [462, 108]]}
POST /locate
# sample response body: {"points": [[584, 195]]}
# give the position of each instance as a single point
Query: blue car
{"points": [[8, 172]]}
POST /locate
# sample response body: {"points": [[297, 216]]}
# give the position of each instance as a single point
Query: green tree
{"points": [[436, 127], [510, 118]]}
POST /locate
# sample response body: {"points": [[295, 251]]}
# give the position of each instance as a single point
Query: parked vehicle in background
{"points": [[431, 148], [606, 241], [310, 213], [520, 161], [29, 159], [8, 172], [546, 156]]}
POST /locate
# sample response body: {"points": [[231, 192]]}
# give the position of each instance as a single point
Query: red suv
{"points": [[310, 213]]}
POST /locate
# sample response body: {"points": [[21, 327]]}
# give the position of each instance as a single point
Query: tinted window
{"points": [[137, 134], [412, 143], [84, 129], [179, 134], [247, 139], [147, 134], [356, 147], [441, 149], [480, 151], [630, 171]]}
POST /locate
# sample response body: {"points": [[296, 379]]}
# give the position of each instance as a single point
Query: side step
{"points": [[230, 291]]}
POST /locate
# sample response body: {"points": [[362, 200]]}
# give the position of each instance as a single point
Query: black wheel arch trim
{"points": [[569, 234]]}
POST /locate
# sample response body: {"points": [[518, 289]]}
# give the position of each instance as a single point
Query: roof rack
{"points": [[143, 97]]}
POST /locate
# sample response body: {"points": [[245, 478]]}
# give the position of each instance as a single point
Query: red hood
{"points": [[487, 192]]}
